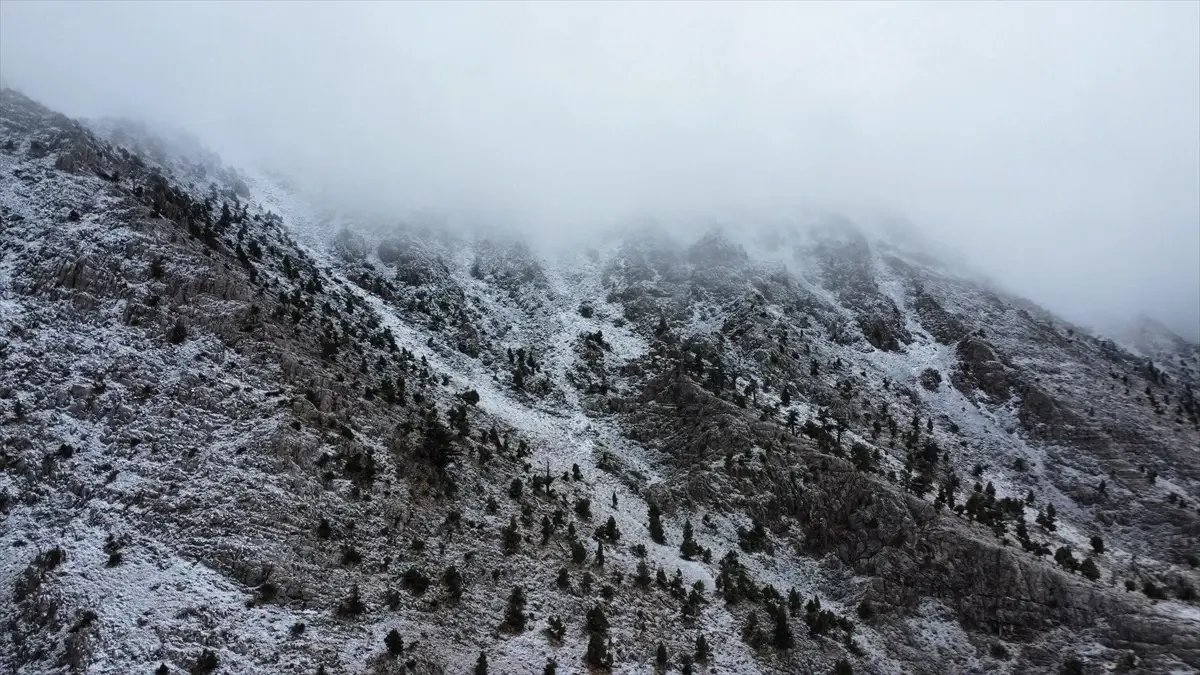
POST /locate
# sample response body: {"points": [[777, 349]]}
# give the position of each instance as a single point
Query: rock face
{"points": [[941, 324], [1040, 414], [232, 434], [350, 245], [981, 368], [909, 549], [849, 268], [390, 251], [931, 379]]}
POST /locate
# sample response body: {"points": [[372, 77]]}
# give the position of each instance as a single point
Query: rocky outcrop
{"points": [[350, 245], [944, 326], [907, 549], [931, 379], [1041, 415], [389, 251], [848, 266], [981, 368]]}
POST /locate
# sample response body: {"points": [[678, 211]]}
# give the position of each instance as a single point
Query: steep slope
{"points": [[242, 431]]}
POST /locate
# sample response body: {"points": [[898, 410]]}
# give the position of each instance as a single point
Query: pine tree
{"points": [[701, 649], [1088, 569], [511, 537], [1046, 518], [660, 655], [599, 554], [783, 631], [656, 528], [688, 547], [178, 333], [611, 532], [454, 582], [352, 605], [1097, 545], [547, 529], [1022, 532], [1072, 666], [643, 574], [395, 643], [555, 627], [597, 652], [481, 666], [207, 663], [1063, 557], [596, 621], [751, 633], [597, 628], [677, 584], [551, 668], [514, 616], [794, 602]]}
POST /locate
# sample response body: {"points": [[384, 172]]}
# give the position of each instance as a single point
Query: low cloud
{"points": [[1056, 144]]}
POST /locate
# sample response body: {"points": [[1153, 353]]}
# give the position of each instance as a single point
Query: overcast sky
{"points": [[1056, 144]]}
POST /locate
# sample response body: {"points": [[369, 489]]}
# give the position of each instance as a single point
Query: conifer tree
{"points": [[514, 615], [783, 631], [1088, 569], [611, 532], [394, 643], [597, 652], [453, 581], [511, 537], [688, 547], [656, 528], [643, 574]]}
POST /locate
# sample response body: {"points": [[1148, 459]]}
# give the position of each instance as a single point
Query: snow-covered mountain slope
{"points": [[245, 435]]}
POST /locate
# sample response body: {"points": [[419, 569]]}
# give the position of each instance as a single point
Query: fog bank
{"points": [[1056, 144]]}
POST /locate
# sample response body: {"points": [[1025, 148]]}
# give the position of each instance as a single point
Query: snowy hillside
{"points": [[243, 434]]}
